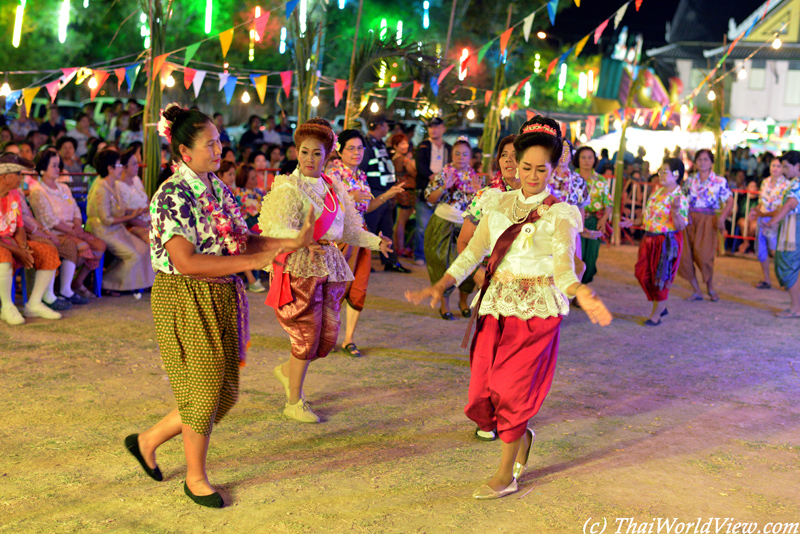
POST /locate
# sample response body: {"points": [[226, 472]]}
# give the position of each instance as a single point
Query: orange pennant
{"points": [[550, 68], [188, 76], [504, 40], [225, 39], [488, 97], [417, 87], [100, 76], [120, 74], [580, 45], [158, 62]]}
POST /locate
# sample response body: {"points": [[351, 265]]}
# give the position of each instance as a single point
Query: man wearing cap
{"points": [[432, 155], [380, 175]]}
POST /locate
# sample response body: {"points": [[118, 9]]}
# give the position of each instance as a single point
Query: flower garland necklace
{"points": [[464, 177], [234, 239]]}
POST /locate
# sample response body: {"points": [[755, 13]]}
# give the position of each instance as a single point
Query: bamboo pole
{"points": [[152, 109], [491, 131], [350, 90]]}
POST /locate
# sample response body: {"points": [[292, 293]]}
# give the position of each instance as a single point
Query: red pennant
{"points": [[444, 73], [599, 30], [530, 114], [638, 4], [100, 77], [166, 71], [695, 118], [550, 68], [514, 107], [261, 25], [591, 124], [338, 90], [286, 81], [417, 87], [120, 74], [69, 73], [488, 97], [188, 76], [52, 90], [506, 35], [563, 129], [158, 62], [782, 130], [522, 83]]}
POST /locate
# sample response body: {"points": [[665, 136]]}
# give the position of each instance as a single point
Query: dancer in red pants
{"points": [[530, 239]]}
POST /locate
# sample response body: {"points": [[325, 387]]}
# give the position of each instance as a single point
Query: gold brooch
{"points": [[542, 209]]}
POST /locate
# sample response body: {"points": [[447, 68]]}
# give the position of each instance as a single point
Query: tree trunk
{"points": [[151, 154]]}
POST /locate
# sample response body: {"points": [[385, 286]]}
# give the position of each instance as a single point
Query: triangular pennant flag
{"points": [[638, 4], [339, 87], [261, 87], [27, 98], [166, 72], [529, 114], [654, 118], [723, 122], [552, 6], [286, 81], [599, 30], [694, 120], [417, 88], [504, 37], [12, 98], [290, 5], [130, 75], [781, 130], [502, 99], [230, 85], [69, 73], [591, 124], [483, 50], [444, 73], [753, 25], [605, 123], [52, 90], [620, 13], [527, 24], [578, 3], [261, 25], [434, 86], [120, 74], [188, 76], [580, 45], [563, 126], [513, 89], [522, 84], [565, 55], [574, 127], [391, 94], [158, 62], [199, 76], [514, 107], [225, 39], [100, 76], [550, 68], [488, 97], [191, 50], [223, 79]]}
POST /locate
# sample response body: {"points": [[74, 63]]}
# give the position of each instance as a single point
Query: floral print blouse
{"points": [[10, 214], [793, 191], [570, 187], [460, 195], [352, 181], [250, 200], [708, 195], [599, 193], [54, 206], [658, 211], [475, 209], [772, 193], [183, 206]]}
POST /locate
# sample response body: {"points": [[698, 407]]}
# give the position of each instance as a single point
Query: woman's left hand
{"points": [[593, 306], [306, 236], [386, 245], [720, 224]]}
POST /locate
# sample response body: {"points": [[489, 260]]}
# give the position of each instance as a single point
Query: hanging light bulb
{"points": [[505, 112], [92, 83], [314, 101], [5, 90], [617, 124], [374, 107], [684, 109], [471, 114], [245, 97], [742, 74], [776, 44], [170, 81], [712, 95]]}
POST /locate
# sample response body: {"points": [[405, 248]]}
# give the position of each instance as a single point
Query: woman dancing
{"points": [[308, 286], [530, 237], [199, 240]]}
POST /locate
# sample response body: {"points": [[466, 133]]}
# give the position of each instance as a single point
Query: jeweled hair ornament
{"points": [[540, 128]]}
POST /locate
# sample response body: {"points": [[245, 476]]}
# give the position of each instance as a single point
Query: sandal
{"points": [[447, 316], [352, 350], [713, 296], [651, 323], [466, 313], [763, 285], [787, 314], [694, 297], [665, 312], [84, 292], [485, 436]]}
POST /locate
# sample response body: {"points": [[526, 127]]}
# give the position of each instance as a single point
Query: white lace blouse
{"points": [[516, 289], [284, 209]]}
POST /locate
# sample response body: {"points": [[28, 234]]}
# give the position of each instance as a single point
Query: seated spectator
{"points": [[275, 156], [133, 133], [16, 251], [132, 196], [36, 139], [5, 135], [22, 125], [258, 160], [82, 133], [55, 208], [219, 122], [253, 135], [271, 135], [228, 155], [106, 219], [248, 194], [66, 149], [290, 161], [54, 123]]}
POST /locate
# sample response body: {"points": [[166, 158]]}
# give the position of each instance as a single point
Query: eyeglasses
{"points": [[355, 149], [118, 165]]}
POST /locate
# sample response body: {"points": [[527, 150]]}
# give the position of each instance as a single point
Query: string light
{"points": [[471, 114], [169, 82], [282, 46], [684, 109], [527, 94], [537, 64], [382, 75], [617, 124], [63, 21], [92, 83], [341, 4], [5, 90], [399, 32], [314, 101], [742, 74], [505, 112], [583, 85], [245, 97], [776, 44], [18, 24], [209, 13], [541, 35], [374, 107], [426, 20], [144, 30], [303, 16], [712, 96]]}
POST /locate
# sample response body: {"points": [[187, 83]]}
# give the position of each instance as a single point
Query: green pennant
{"points": [[391, 94], [483, 50], [770, 129], [190, 52]]}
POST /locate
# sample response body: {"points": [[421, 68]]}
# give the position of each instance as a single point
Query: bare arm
{"points": [[782, 213], [726, 212]]}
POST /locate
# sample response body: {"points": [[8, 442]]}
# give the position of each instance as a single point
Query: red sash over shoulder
{"points": [[501, 248], [280, 290]]}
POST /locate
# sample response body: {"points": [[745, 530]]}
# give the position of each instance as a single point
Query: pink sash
{"points": [[280, 290]]}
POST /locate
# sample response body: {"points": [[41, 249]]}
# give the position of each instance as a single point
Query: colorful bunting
{"points": [[434, 86], [166, 72], [197, 81], [580, 45], [605, 123], [529, 114], [417, 87], [230, 86], [391, 94], [338, 91], [527, 24], [27, 98], [483, 50], [723, 122], [69, 73], [550, 68], [599, 30], [191, 50], [782, 130], [260, 82], [514, 88], [522, 84], [261, 25], [290, 5], [120, 74], [695, 118], [578, 3], [223, 79], [52, 90], [225, 39], [620, 13], [286, 81], [504, 37], [563, 126], [188, 76], [591, 124], [100, 76], [12, 98], [130, 75], [552, 7], [158, 62], [444, 73], [488, 97], [638, 4]]}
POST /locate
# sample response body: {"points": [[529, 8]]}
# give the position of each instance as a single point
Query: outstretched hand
{"points": [[593, 306], [386, 245], [434, 292], [306, 236]]}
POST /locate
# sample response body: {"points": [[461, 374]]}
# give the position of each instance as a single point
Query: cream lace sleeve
{"points": [[353, 232], [567, 223], [283, 210], [43, 209], [479, 247]]}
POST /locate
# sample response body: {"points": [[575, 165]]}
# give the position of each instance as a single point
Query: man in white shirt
{"points": [[271, 136], [432, 155]]}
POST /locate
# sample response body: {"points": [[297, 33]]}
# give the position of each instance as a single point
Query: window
{"points": [[792, 93], [758, 74]]}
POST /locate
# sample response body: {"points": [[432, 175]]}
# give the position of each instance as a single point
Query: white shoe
{"points": [[40, 310], [300, 412], [419, 262], [256, 287], [283, 379], [11, 315], [485, 492]]}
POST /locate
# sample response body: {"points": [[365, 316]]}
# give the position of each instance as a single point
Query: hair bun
{"points": [[172, 111]]}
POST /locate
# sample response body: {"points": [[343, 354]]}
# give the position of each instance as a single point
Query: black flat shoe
{"points": [[210, 501], [466, 312], [396, 268], [651, 323], [352, 350], [665, 312], [447, 316], [132, 444]]}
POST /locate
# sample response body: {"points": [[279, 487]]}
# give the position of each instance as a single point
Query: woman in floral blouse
{"points": [[198, 241], [707, 193], [770, 200], [597, 209], [665, 216], [787, 253], [359, 259], [451, 191]]}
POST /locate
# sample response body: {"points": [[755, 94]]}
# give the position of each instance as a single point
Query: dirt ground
{"points": [[694, 419]]}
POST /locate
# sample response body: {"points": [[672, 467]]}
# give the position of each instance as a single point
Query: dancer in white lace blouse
{"points": [[530, 238]]}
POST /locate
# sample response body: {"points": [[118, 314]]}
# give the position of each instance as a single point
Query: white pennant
{"points": [[223, 79], [526, 25], [619, 15], [197, 81]]}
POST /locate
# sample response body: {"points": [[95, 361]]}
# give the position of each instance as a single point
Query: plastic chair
{"points": [[98, 277], [23, 284]]}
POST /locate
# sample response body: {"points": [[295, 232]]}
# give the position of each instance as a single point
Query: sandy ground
{"points": [[694, 419]]}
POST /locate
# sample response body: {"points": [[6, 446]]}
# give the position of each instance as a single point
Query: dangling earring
{"points": [[187, 159]]}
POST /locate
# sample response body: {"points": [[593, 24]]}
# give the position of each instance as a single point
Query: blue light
{"points": [[426, 20]]}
